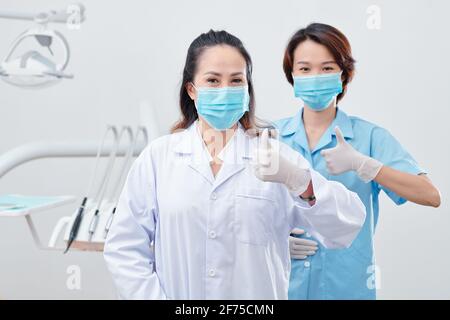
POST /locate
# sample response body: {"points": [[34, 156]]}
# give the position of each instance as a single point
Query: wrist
{"points": [[368, 169], [308, 198], [309, 195], [300, 182]]}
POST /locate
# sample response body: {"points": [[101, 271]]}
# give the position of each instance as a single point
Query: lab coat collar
{"points": [[295, 126], [234, 155], [192, 142]]}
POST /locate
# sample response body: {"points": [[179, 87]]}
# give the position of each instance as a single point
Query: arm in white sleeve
{"points": [[336, 217], [127, 248]]}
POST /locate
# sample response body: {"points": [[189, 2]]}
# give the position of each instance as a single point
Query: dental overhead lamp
{"points": [[33, 69]]}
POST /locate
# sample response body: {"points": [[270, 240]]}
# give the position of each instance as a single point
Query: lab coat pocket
{"points": [[253, 215]]}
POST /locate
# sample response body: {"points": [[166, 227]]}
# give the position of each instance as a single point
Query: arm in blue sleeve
{"points": [[386, 149]]}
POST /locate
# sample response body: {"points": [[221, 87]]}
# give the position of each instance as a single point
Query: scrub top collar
{"points": [[295, 126]]}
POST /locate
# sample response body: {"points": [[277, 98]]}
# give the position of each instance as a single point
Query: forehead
{"points": [[221, 58], [311, 51]]}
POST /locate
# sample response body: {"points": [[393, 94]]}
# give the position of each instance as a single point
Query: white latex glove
{"points": [[300, 248], [344, 157], [289, 167]]}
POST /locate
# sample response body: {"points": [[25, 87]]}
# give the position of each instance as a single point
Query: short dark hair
{"points": [[330, 37]]}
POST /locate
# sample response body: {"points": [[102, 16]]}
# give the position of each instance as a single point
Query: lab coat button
{"points": [[212, 235], [307, 264], [212, 273], [213, 196]]}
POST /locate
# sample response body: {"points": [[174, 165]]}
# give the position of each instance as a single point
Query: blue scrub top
{"points": [[345, 273]]}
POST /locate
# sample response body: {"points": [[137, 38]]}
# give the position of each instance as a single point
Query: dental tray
{"points": [[19, 205]]}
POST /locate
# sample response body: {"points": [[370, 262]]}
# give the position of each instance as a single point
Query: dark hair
{"points": [[197, 47], [330, 37]]}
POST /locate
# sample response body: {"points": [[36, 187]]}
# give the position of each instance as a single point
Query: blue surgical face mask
{"points": [[318, 91], [222, 107]]}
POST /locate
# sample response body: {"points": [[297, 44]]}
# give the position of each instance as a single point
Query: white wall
{"points": [[132, 51]]}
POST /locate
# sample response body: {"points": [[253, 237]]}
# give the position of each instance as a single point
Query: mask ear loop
{"points": [[196, 89]]}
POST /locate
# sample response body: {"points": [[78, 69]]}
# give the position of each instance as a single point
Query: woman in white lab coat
{"points": [[216, 202]]}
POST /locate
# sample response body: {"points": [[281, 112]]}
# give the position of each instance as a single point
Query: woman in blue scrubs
{"points": [[361, 155]]}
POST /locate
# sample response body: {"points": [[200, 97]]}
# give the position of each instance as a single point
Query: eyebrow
{"points": [[213, 73], [306, 62], [219, 74]]}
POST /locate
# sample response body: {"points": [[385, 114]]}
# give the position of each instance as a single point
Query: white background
{"points": [[132, 51]]}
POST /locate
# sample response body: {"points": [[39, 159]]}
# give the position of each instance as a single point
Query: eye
{"points": [[212, 80], [304, 69], [327, 69], [238, 80]]}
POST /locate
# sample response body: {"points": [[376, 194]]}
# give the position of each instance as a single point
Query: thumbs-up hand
{"points": [[275, 162], [343, 157]]}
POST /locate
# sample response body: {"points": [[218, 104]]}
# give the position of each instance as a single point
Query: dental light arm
{"points": [[33, 69], [63, 149], [50, 16]]}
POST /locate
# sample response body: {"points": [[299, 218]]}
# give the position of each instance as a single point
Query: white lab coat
{"points": [[215, 238]]}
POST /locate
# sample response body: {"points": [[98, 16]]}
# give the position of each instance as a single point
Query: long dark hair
{"points": [[197, 47], [330, 37]]}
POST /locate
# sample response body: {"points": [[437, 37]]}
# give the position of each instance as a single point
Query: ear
{"points": [[191, 91], [342, 75]]}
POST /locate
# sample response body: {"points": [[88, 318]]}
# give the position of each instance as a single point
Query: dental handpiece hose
{"points": [[123, 174], [80, 213]]}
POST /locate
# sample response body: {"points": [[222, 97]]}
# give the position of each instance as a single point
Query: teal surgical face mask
{"points": [[318, 91], [222, 107]]}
